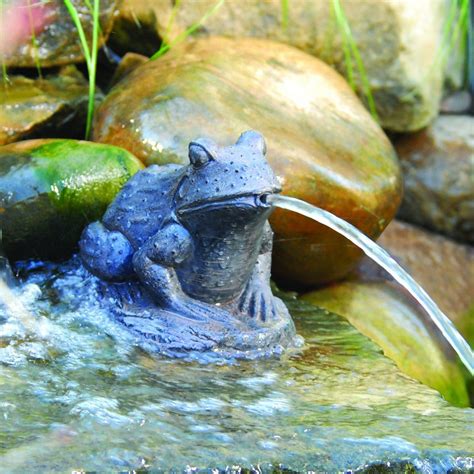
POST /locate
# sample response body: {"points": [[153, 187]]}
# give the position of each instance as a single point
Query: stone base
{"points": [[174, 335]]}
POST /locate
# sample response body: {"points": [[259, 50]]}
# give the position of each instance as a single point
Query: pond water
{"points": [[76, 392]]}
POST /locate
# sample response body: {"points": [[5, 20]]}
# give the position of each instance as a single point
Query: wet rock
{"points": [[49, 189], [438, 167], [56, 104], [128, 63], [385, 312], [55, 40], [400, 56], [322, 143]]}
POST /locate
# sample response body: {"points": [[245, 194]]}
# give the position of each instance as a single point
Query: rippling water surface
{"points": [[77, 393]]}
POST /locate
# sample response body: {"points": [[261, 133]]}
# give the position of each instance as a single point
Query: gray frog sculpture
{"points": [[186, 252]]}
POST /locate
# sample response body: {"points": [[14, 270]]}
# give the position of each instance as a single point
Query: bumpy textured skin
{"points": [[187, 253]]}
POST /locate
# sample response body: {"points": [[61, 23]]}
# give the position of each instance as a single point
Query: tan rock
{"points": [[400, 42], [445, 269], [438, 169], [128, 63]]}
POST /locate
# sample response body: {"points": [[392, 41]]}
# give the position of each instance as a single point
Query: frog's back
{"points": [[144, 203]]}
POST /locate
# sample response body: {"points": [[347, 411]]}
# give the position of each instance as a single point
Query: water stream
{"points": [[382, 258]]}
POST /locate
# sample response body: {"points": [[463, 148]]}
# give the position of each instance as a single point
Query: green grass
{"points": [[166, 46], [352, 57], [5, 80], [171, 19], [285, 14], [455, 31], [90, 53]]}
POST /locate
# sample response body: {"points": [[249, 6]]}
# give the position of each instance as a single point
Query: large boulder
{"points": [[49, 190], [55, 104], [400, 42], [322, 143], [43, 33], [438, 171]]}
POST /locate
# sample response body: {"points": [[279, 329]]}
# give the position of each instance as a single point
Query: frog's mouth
{"points": [[258, 202]]}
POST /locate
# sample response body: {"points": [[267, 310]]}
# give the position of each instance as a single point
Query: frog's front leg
{"points": [[257, 299], [155, 263]]}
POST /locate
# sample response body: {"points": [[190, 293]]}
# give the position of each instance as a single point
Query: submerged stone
{"points": [[438, 172], [400, 57], [100, 403], [49, 189], [322, 143], [55, 104], [383, 311], [44, 34]]}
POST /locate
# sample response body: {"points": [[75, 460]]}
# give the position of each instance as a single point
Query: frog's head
{"points": [[236, 176]]}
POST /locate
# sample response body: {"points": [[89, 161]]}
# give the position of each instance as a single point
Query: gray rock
{"points": [[438, 168]]}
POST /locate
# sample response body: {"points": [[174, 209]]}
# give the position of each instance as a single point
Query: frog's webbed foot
{"points": [[258, 302]]}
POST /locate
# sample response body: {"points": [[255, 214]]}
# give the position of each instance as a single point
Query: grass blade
{"points": [[455, 29], [93, 67], [80, 31], [5, 79], [343, 26], [90, 54], [188, 32], [351, 51], [285, 14]]}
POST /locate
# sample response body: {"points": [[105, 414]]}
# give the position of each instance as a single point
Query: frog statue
{"points": [[184, 253]]}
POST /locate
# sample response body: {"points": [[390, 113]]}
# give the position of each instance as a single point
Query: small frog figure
{"points": [[189, 248]]}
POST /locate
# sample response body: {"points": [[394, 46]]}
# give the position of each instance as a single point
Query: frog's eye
{"points": [[199, 155]]}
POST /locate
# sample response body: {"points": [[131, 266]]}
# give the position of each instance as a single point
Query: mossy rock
{"points": [[49, 189]]}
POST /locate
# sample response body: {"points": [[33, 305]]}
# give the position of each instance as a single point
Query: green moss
{"points": [[56, 187]]}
